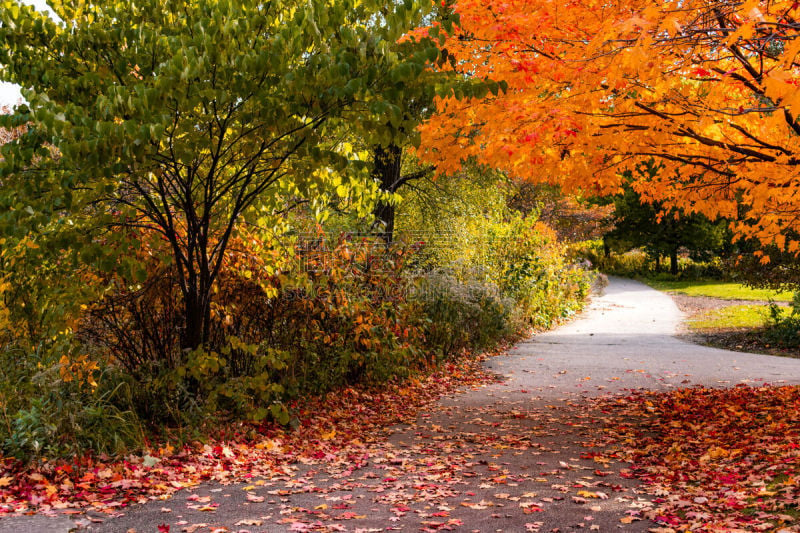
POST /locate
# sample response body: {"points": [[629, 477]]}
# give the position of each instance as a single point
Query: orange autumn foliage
{"points": [[708, 88]]}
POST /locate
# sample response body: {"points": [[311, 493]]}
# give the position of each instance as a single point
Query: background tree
{"points": [[663, 232], [781, 273], [573, 218], [393, 166]]}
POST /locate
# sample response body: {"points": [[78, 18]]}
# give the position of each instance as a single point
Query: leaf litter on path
{"points": [[710, 460]]}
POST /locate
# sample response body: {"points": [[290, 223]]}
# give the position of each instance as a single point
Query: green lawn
{"points": [[719, 289], [733, 317]]}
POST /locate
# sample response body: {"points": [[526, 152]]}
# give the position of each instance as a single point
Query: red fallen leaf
{"points": [[163, 528]]}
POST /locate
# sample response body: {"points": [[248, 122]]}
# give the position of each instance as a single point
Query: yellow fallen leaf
{"points": [[269, 445]]}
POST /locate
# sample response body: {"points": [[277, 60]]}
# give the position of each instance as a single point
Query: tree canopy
{"points": [[708, 88]]}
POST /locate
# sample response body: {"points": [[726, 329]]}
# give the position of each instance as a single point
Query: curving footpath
{"points": [[506, 457], [626, 339]]}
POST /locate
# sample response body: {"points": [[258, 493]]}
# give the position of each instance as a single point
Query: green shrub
{"points": [[783, 327], [628, 264], [340, 311], [64, 409], [530, 266], [459, 316]]}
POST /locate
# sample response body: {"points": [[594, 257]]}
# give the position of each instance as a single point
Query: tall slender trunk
{"points": [[673, 261], [386, 171]]}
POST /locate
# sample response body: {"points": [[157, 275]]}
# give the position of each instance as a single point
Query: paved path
{"points": [[507, 457], [626, 340]]}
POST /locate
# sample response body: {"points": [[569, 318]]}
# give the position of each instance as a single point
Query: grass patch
{"points": [[732, 317], [718, 289]]}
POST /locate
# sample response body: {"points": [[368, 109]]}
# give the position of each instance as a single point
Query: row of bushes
{"points": [[636, 262], [335, 311]]}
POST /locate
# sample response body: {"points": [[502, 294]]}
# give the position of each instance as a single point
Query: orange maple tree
{"points": [[708, 88]]}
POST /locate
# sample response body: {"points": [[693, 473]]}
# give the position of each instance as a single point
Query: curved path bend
{"points": [[506, 457], [627, 339]]}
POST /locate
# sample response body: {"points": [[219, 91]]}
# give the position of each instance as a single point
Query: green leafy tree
{"points": [[638, 223], [175, 121], [393, 167]]}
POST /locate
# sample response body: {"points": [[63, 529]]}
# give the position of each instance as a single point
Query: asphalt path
{"points": [[513, 456]]}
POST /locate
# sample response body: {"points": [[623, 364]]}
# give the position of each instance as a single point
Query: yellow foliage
{"points": [[81, 370]]}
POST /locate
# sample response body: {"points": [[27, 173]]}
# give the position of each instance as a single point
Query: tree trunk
{"points": [[386, 171], [197, 319], [658, 262], [197, 303], [193, 321], [673, 261]]}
